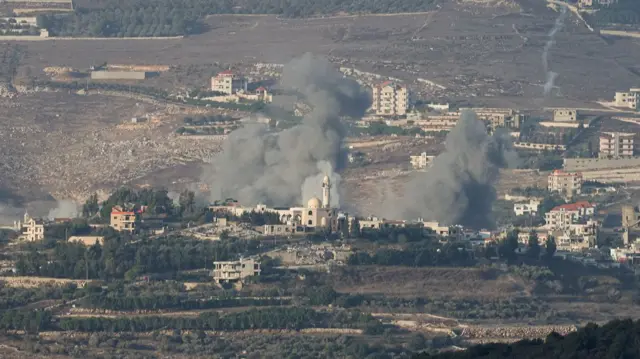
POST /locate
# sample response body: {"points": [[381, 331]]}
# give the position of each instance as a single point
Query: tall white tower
{"points": [[326, 192]]}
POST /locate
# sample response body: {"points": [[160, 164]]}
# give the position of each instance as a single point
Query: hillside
{"points": [[617, 339]]}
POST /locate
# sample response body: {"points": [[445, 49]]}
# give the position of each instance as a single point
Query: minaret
{"points": [[326, 192]]}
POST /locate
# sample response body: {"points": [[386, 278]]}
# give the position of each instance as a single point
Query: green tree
{"points": [[187, 202], [549, 202], [550, 248], [533, 247], [508, 246], [91, 206], [417, 342]]}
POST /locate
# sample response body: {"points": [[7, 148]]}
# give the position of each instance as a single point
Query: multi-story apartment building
{"points": [[630, 216], [566, 183], [390, 99], [616, 145], [520, 209], [122, 220], [421, 161], [628, 99], [229, 83], [562, 217], [498, 117], [31, 229], [231, 271], [565, 115]]}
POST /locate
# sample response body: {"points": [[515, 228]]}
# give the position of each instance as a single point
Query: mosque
{"points": [[317, 215]]}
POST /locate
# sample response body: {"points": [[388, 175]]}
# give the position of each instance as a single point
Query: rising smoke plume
{"points": [[174, 197], [260, 166], [9, 213], [550, 75], [459, 186], [64, 209], [312, 186]]}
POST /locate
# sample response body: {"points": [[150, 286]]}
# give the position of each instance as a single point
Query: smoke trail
{"points": [[64, 209], [548, 86], [459, 187], [259, 166], [550, 75]]}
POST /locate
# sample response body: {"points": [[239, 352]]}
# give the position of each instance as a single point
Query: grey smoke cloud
{"points": [[459, 186], [312, 186], [550, 75], [174, 197], [9, 214], [257, 165], [64, 209]]}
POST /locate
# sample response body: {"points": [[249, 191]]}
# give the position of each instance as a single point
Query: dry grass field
{"points": [[403, 282], [493, 54]]}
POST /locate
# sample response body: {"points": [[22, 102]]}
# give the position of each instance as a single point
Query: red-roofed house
{"points": [[563, 216], [228, 82], [390, 99], [566, 183], [122, 220]]}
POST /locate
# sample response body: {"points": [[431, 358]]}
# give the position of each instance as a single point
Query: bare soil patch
{"points": [[428, 282]]}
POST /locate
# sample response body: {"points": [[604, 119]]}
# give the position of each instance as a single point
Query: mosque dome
{"points": [[314, 203]]}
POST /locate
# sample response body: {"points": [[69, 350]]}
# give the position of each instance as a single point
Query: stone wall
{"points": [[585, 164], [529, 332], [34, 282]]}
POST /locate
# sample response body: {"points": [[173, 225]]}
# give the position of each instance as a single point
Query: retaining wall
{"points": [[593, 164]]}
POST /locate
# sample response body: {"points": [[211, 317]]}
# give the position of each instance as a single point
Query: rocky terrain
{"points": [[70, 145]]}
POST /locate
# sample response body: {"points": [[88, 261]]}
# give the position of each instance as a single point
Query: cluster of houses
{"points": [[233, 87], [33, 229], [573, 225]]}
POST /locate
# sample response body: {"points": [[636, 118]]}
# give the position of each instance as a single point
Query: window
{"points": [[310, 222], [310, 213]]}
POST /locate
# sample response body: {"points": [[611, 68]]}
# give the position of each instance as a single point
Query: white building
{"points": [[444, 230], [31, 229], [588, 228], [520, 209], [317, 214], [232, 271], [390, 99], [627, 99], [229, 83], [591, 3], [421, 161], [565, 115], [380, 223], [444, 107], [564, 216], [565, 183], [616, 145]]}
